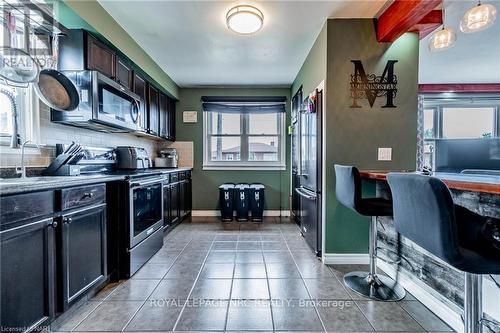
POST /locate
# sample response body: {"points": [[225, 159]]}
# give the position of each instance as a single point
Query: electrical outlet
{"points": [[385, 154]]}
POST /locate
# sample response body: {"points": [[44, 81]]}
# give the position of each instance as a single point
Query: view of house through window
{"points": [[457, 120], [480, 122], [240, 139]]}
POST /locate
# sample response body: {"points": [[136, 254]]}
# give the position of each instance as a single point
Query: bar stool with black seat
{"points": [[368, 284], [424, 213]]}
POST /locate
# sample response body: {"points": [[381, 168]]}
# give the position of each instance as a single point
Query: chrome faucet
{"points": [[15, 139], [23, 167]]}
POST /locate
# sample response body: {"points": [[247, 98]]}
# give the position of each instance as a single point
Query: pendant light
{"points": [[443, 39], [478, 18]]}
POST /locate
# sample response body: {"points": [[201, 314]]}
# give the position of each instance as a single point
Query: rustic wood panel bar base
{"points": [[439, 279]]}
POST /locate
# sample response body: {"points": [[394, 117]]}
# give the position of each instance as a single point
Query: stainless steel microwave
{"points": [[105, 105]]}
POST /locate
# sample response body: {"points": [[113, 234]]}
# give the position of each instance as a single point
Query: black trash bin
{"points": [[226, 201], [256, 198], [241, 201]]}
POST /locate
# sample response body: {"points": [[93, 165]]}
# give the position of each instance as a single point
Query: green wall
{"points": [[206, 183], [92, 16], [313, 70], [352, 136]]}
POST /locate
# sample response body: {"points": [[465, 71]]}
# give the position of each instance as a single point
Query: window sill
{"points": [[243, 168]]}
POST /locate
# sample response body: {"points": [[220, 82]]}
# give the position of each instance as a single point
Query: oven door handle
{"points": [[145, 183]]}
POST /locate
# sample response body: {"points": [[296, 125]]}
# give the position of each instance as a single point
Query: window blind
{"points": [[239, 104]]}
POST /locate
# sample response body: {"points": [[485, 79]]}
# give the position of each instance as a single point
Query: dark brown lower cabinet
{"points": [[27, 276], [174, 203], [166, 206], [82, 252], [185, 198], [49, 259], [177, 202]]}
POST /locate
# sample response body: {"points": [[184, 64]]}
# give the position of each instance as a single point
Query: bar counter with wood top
{"points": [[424, 274], [458, 181]]}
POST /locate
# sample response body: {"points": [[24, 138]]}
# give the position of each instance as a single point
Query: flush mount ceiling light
{"points": [[244, 19], [478, 18], [443, 39]]}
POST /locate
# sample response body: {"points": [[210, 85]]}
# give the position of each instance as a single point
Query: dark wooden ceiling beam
{"points": [[401, 16], [429, 23]]}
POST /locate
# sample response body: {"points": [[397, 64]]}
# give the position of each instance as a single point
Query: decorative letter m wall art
{"points": [[372, 86]]}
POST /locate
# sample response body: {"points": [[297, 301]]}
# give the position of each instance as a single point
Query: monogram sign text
{"points": [[371, 86]]}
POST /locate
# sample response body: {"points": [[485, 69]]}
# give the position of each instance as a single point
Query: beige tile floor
{"points": [[209, 277]]}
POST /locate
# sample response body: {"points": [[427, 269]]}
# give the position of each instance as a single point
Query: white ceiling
{"points": [[190, 40], [475, 58]]}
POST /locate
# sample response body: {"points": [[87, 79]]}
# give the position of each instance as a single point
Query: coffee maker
{"points": [[168, 158]]}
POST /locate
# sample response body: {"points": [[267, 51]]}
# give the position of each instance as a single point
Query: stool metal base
{"points": [[370, 284], [376, 287]]}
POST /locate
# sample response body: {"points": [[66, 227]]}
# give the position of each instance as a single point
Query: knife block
{"points": [[58, 167]]}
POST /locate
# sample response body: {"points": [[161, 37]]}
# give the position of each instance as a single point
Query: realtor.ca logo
{"points": [[372, 86]]}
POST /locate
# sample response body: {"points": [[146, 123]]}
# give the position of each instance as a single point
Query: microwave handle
{"points": [[135, 104]]}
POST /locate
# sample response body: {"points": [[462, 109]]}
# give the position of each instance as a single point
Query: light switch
{"points": [[385, 154]]}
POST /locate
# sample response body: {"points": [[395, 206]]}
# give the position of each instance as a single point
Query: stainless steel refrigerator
{"points": [[306, 169]]}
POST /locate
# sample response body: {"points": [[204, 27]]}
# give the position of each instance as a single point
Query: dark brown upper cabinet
{"points": [[140, 88], [80, 50], [163, 116], [153, 110], [171, 119], [124, 73], [100, 57]]}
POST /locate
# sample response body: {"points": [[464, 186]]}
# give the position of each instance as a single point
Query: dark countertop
{"points": [[458, 181], [10, 186]]}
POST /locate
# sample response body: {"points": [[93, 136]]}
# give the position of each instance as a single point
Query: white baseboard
{"points": [[284, 213], [447, 313], [345, 258], [205, 213]]}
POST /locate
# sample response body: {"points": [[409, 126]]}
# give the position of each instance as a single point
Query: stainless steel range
{"points": [[138, 206], [137, 218], [146, 207]]}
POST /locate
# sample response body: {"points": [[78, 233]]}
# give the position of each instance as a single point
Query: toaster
{"points": [[132, 158]]}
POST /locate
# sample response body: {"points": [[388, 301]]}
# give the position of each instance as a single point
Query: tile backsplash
{"points": [[52, 133], [185, 151]]}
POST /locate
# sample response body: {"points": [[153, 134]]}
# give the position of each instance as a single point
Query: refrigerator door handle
{"points": [[299, 144], [305, 193]]}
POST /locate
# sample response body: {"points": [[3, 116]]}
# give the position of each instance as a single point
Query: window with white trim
{"points": [[28, 29], [458, 116], [19, 100], [244, 139]]}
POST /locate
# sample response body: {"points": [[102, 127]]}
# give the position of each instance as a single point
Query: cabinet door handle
{"points": [[88, 195], [54, 224], [67, 220]]}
